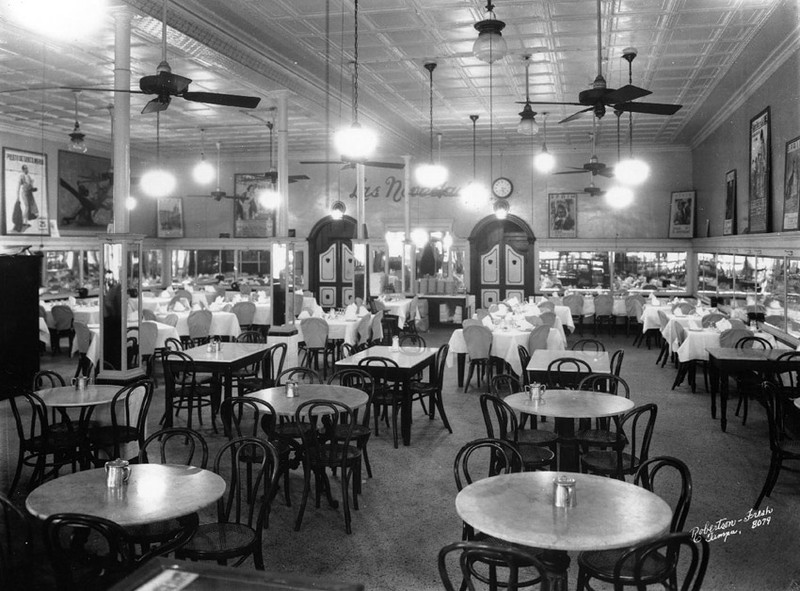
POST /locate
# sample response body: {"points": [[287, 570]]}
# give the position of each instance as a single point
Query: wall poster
{"points": [[681, 214], [251, 218], [791, 185], [170, 217], [25, 193], [760, 172], [563, 215], [729, 224]]}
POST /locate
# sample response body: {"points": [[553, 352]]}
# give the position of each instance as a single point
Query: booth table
{"points": [[518, 508]]}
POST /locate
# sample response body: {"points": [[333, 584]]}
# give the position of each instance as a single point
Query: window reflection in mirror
{"points": [[255, 266], [391, 276], [152, 268], [792, 304], [62, 271], [706, 274], [566, 269], [725, 275]]}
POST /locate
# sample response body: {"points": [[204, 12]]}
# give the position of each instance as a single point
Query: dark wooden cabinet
{"points": [[19, 319]]}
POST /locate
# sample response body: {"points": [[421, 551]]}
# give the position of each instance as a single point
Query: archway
{"points": [[331, 269]]}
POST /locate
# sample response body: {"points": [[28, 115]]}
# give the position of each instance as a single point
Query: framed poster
{"points": [[729, 224], [681, 215], [170, 217], [25, 193], [563, 215], [760, 172], [251, 218], [791, 185], [85, 192]]}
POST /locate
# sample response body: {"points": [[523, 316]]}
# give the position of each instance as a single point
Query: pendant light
{"points": [[431, 174], [158, 182], [527, 124], [218, 193], [355, 143], [618, 196], [203, 171], [268, 197], [544, 161], [338, 209], [474, 193], [501, 209], [631, 171], [490, 45], [76, 138]]}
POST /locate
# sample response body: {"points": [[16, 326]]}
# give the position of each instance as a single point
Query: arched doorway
{"points": [[501, 259], [331, 269]]}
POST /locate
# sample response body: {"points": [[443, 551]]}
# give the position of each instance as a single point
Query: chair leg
{"points": [[366, 459], [469, 375], [346, 500], [394, 424], [440, 406], [769, 483], [17, 474], [306, 492]]}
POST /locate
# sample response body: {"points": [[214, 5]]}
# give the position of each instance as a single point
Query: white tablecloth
{"points": [[650, 318], [223, 324], [85, 314], [619, 308], [504, 344], [44, 332], [399, 308], [697, 341], [165, 331], [339, 328], [152, 302]]}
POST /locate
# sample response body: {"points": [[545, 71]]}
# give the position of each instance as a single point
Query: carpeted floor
{"points": [[407, 511]]}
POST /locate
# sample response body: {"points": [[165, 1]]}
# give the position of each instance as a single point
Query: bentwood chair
{"points": [[747, 383], [129, 409], [245, 313], [16, 544], [315, 336], [473, 558], [241, 511], [537, 339], [189, 391], [388, 395], [199, 323], [63, 319], [479, 348], [504, 385], [501, 422], [634, 308], [287, 430], [588, 345], [671, 479], [269, 367], [361, 430], [420, 390], [575, 302], [567, 372], [680, 551], [87, 553], [604, 312], [781, 444], [324, 448]]}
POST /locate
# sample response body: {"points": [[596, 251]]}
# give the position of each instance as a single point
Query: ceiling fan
{"points": [[594, 165], [165, 85], [599, 96], [592, 190], [352, 163], [272, 175]]}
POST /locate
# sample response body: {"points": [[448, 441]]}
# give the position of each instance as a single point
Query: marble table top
{"points": [[352, 397], [571, 404]]}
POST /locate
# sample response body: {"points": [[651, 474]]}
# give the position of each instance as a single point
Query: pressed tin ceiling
{"points": [[268, 47]]}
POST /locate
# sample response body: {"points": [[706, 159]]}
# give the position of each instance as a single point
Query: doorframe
{"points": [[348, 225], [474, 255]]}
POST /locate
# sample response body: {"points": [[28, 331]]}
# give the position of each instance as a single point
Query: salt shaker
{"points": [[564, 491]]}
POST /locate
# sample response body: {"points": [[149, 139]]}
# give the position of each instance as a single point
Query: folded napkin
{"points": [[502, 309], [512, 301], [179, 307], [678, 313], [351, 307], [303, 315], [166, 294], [362, 311], [72, 301], [723, 325], [220, 300], [262, 297], [210, 289], [487, 322], [531, 310], [774, 305], [318, 312]]}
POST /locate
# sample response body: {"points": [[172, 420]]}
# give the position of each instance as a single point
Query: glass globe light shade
{"points": [[76, 140], [131, 203], [430, 175], [203, 172], [447, 241], [157, 182], [355, 142], [475, 195], [337, 210], [269, 199], [490, 45], [527, 125], [632, 171], [544, 161], [619, 196], [501, 209], [419, 237]]}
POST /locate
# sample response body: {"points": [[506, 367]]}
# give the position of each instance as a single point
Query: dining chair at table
{"points": [[241, 511], [574, 302], [787, 381], [616, 361], [149, 315], [588, 345], [325, 450], [249, 373], [148, 336], [504, 385], [432, 390], [537, 339], [601, 436], [361, 430], [245, 313], [410, 325], [412, 341], [683, 552], [16, 544], [83, 339], [128, 413], [41, 446], [534, 320], [567, 372], [388, 394], [671, 479], [524, 359], [472, 322], [548, 319], [604, 312], [287, 429], [269, 367], [479, 349], [546, 306], [63, 318], [179, 303], [243, 416], [711, 319], [47, 378], [749, 383], [685, 308], [473, 557], [364, 329], [634, 308], [782, 445], [199, 323], [87, 552], [190, 391], [501, 422], [170, 319], [636, 433]]}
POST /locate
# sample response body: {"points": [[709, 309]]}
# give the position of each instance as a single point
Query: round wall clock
{"points": [[502, 187]]}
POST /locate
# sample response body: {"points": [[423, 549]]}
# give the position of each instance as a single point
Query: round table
{"points": [[154, 492], [71, 397], [518, 508], [566, 406], [286, 407]]}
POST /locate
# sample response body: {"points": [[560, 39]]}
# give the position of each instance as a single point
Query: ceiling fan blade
{"points": [[606, 172], [383, 164], [320, 162], [625, 94], [552, 103], [293, 178], [157, 104], [649, 108], [88, 89], [225, 100], [577, 115], [571, 172]]}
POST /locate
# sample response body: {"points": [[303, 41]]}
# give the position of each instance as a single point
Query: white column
{"points": [[360, 192], [122, 117], [406, 279], [283, 165]]}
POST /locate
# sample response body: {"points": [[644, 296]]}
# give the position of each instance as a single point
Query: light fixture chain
{"points": [[430, 75], [355, 65]]}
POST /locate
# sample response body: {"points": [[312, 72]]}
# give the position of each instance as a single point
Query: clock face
{"points": [[502, 187]]}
